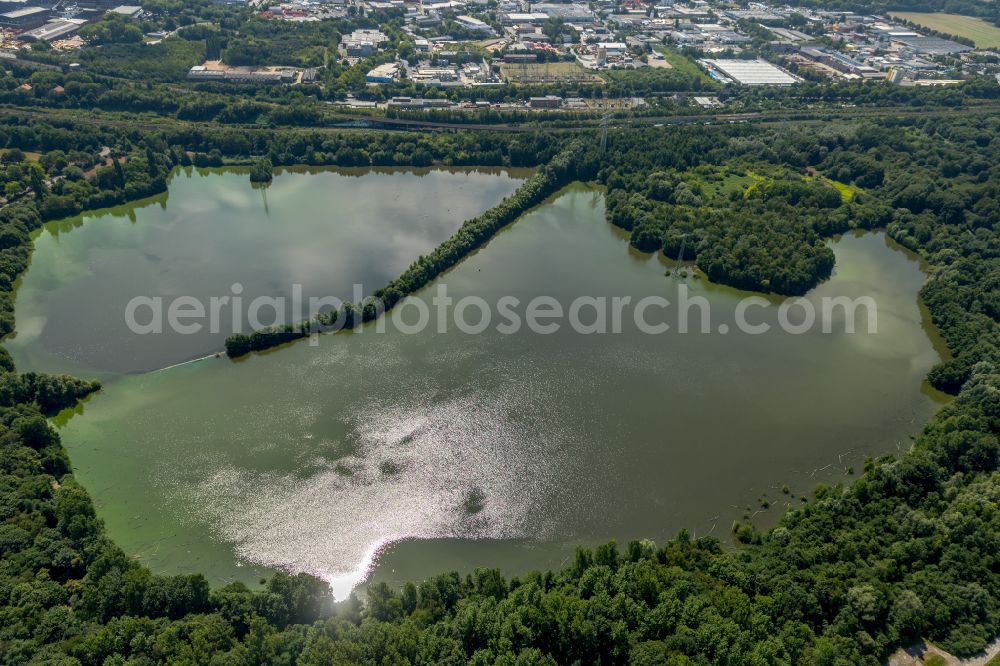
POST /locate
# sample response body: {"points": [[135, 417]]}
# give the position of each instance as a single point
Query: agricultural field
{"points": [[984, 34], [547, 72]]}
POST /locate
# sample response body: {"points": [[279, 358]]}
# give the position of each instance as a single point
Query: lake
{"points": [[323, 229], [405, 455]]}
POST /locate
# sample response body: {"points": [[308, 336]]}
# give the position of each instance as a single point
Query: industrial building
{"points": [[841, 62], [202, 73], [417, 103], [25, 18], [472, 23], [708, 102], [434, 76], [570, 13], [764, 16], [547, 102], [749, 72], [515, 18], [11, 5], [241, 75], [790, 35], [613, 48], [53, 30], [933, 46], [695, 14], [363, 43], [520, 57], [128, 11], [385, 73], [97, 4]]}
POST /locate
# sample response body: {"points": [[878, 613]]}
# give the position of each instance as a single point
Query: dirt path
{"points": [[916, 655]]}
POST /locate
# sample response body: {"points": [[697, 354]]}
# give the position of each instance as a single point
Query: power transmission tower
{"points": [[604, 131]]}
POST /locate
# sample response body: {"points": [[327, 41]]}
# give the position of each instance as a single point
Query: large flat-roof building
{"points": [[363, 43], [435, 76], [520, 18], [11, 5], [128, 11], [202, 73], [757, 15], [417, 103], [385, 73], [933, 46], [571, 13], [841, 62], [97, 4], [474, 24], [750, 72], [546, 102], [241, 75], [25, 18], [53, 30]]}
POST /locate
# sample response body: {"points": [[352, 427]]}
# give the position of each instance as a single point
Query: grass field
{"points": [[985, 35], [847, 191], [730, 183], [32, 156], [547, 72], [719, 182], [681, 63]]}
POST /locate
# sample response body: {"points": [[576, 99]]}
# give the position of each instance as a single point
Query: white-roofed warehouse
{"points": [[750, 72]]}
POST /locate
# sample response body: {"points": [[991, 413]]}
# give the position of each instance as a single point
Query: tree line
{"points": [[568, 165]]}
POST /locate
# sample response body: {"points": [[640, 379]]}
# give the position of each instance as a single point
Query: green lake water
{"points": [[405, 455], [323, 229]]}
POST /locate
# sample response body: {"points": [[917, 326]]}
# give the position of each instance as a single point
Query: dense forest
{"points": [[909, 550]]}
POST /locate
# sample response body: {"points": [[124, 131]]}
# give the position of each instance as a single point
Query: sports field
{"points": [[984, 34]]}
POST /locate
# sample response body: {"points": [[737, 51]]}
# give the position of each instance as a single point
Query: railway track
{"points": [[346, 122]]}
